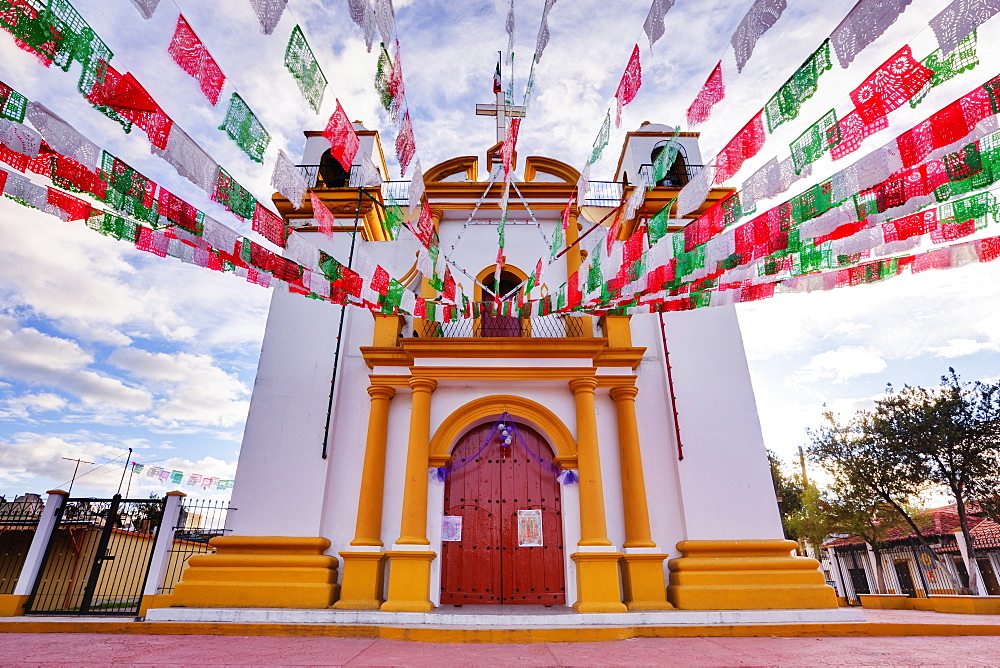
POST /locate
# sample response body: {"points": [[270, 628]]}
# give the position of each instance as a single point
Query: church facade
{"points": [[605, 463]]}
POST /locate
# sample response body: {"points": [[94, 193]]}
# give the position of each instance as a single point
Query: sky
{"points": [[103, 348]]}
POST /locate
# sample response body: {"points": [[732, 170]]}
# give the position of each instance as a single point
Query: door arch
{"points": [[486, 488]]}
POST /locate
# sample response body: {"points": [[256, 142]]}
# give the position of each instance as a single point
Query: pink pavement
{"points": [[85, 650]]}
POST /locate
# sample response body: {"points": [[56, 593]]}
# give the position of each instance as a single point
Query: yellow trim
{"points": [[644, 586], [364, 577], [387, 330], [948, 603], [634, 505], [464, 163], [597, 587], [585, 348], [501, 635], [12, 605], [154, 601], [502, 373], [536, 164], [746, 575], [456, 424], [616, 329], [260, 572], [409, 581]]}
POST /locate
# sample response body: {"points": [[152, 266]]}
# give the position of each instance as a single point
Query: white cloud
{"points": [[840, 365], [26, 406], [35, 358], [191, 388]]}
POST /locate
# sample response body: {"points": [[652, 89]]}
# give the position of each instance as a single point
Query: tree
{"points": [[949, 435], [812, 522], [788, 493], [857, 511], [865, 467]]}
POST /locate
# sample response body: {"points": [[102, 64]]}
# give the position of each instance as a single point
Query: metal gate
{"points": [[98, 557]]}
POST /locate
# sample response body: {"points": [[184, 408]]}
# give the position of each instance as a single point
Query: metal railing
{"points": [[543, 327], [331, 176], [200, 520], [673, 179], [18, 520]]}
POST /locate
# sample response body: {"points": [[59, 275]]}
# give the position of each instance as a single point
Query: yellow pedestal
{"points": [[745, 575], [155, 601], [11, 605], [260, 572], [597, 583], [361, 586], [409, 581], [643, 584]]}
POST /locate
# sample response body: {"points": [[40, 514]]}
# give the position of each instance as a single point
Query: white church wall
{"points": [[657, 441], [280, 476], [725, 479]]}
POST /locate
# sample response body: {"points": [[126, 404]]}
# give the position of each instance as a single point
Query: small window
{"points": [[331, 173]]}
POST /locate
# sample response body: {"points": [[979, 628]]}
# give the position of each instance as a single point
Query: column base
{"points": [[746, 575], [597, 582], [260, 572], [362, 584], [409, 581], [643, 584], [12, 605], [155, 601]]}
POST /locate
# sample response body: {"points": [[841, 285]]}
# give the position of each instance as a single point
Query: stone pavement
{"points": [[85, 650], [138, 649]]}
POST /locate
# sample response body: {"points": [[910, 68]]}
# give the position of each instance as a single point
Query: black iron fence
{"points": [[544, 327], [18, 521], [97, 558], [905, 568], [200, 520]]}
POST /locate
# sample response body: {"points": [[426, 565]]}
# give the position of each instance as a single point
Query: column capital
{"points": [[585, 384], [623, 392], [381, 391], [422, 384]]}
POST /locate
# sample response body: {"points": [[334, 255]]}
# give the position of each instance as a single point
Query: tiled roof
{"points": [[938, 522]]}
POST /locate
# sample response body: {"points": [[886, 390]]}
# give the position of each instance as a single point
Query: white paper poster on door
{"points": [[529, 528], [451, 528]]}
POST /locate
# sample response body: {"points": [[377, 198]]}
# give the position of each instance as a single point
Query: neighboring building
{"points": [[906, 566], [367, 477]]}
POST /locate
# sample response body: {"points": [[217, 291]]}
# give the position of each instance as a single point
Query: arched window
{"points": [[331, 173], [677, 175], [499, 325]]}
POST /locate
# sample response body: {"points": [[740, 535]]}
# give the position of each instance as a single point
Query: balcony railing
{"points": [[329, 176], [675, 178], [544, 327]]}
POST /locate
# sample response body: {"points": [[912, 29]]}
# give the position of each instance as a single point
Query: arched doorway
{"points": [[493, 562], [331, 173], [493, 324]]}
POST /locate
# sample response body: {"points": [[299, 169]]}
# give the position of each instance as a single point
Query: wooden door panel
{"points": [[487, 566]]}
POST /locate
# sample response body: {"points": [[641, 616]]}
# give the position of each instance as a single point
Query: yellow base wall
{"points": [[11, 605], [745, 575], [362, 585], [155, 601], [409, 581], [885, 601], [597, 582], [260, 572], [643, 584], [971, 605]]}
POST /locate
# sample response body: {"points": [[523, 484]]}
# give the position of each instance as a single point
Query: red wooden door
{"points": [[488, 566]]}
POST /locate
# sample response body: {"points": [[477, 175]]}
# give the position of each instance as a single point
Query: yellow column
{"points": [[593, 525], [598, 588], [410, 570], [633, 483], [644, 585], [361, 588], [368, 530], [413, 528]]}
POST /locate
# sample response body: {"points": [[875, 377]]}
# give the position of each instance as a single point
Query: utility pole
{"points": [[75, 470], [128, 462]]}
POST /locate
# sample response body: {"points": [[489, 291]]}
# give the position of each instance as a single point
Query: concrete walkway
{"points": [[85, 650]]}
